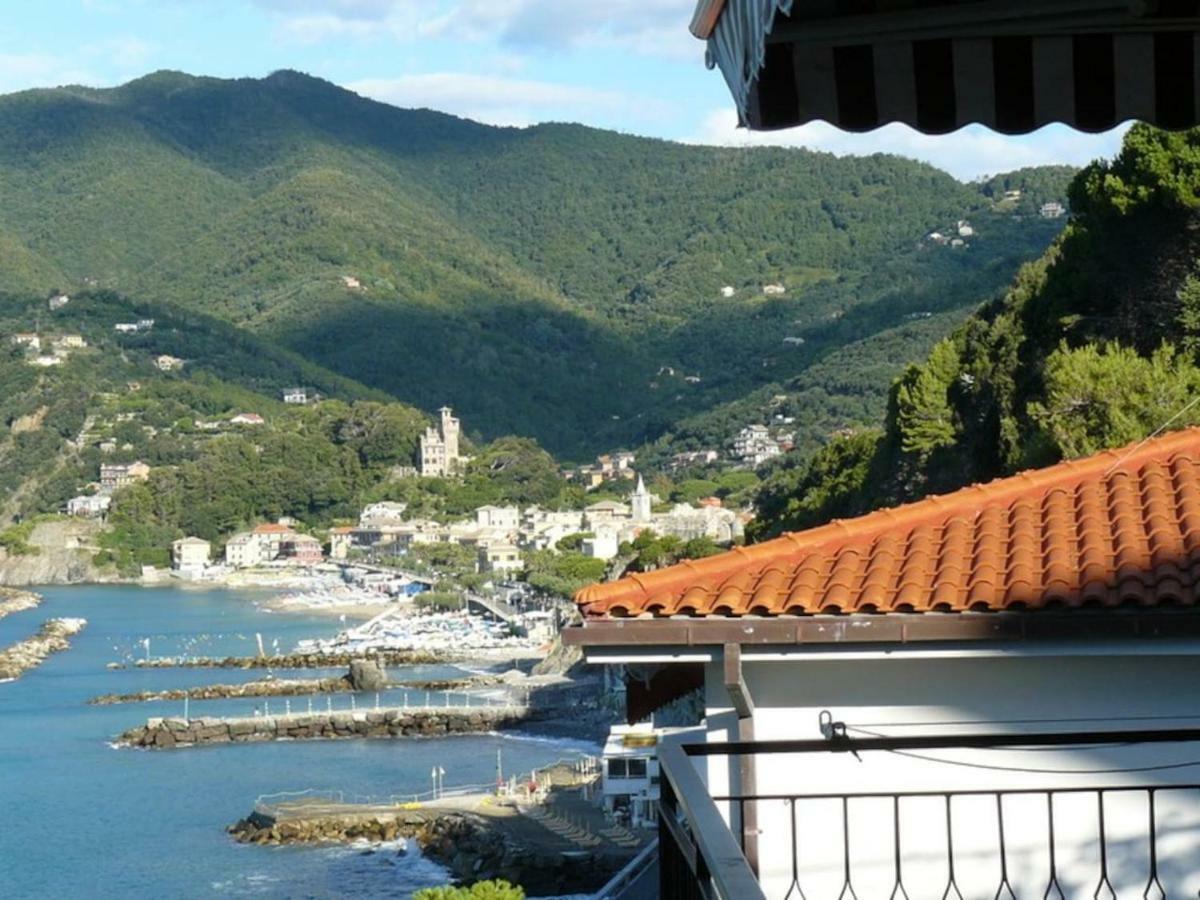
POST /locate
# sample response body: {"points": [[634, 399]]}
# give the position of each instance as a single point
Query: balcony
{"points": [[1100, 833]]}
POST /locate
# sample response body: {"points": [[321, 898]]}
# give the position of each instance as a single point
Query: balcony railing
{"points": [[945, 832]]}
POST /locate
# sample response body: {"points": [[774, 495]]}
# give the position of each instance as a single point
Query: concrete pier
{"points": [[170, 733]]}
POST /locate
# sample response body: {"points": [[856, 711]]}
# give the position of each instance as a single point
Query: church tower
{"points": [[639, 502]]}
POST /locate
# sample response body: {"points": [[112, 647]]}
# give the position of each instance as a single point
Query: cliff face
{"points": [[64, 556]]}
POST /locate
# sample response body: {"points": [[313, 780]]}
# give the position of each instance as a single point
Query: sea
{"points": [[81, 818]]}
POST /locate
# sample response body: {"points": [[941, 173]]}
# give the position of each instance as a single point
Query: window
{"points": [[627, 768]]}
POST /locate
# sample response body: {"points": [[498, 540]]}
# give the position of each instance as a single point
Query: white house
{"points": [[601, 545], [728, 291], [244, 550], [629, 778], [190, 554], [499, 517], [252, 419], [164, 362], [296, 396], [500, 558], [961, 683], [89, 505]]}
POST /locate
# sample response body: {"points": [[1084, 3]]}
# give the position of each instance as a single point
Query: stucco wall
{"points": [[1017, 692]]}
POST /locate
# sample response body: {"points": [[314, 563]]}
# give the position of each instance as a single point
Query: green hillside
{"points": [[1094, 346], [538, 279]]}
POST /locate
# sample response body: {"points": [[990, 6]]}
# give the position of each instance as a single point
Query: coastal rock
{"points": [[367, 675], [53, 637]]}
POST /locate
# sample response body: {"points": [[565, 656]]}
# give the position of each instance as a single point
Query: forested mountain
{"points": [[556, 281], [1094, 346]]}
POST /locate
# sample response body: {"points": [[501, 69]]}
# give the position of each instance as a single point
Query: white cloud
{"points": [[497, 100], [647, 27], [19, 71], [967, 153]]}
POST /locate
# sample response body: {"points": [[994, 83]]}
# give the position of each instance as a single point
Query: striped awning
{"points": [[938, 65]]}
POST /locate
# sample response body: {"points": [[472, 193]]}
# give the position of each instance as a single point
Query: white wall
{"points": [[902, 696]]}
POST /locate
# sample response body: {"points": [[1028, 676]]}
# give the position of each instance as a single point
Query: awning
{"points": [[938, 65]]}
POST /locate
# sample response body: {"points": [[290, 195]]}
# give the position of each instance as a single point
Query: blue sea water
{"points": [[84, 819]]}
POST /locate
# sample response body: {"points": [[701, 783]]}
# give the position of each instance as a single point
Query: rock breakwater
{"points": [[53, 637], [12, 601], [295, 660], [170, 733], [280, 688]]}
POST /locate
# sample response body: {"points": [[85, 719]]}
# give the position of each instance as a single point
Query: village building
{"points": [[46, 362], [89, 506], [70, 342], [251, 419], [629, 777], [57, 302], [439, 447], [119, 475], [351, 282], [754, 445], [606, 513], [341, 542], [965, 229], [1052, 210], [301, 549], [967, 681], [774, 290], [728, 291], [244, 551], [167, 363], [500, 559], [506, 518], [602, 544], [272, 536], [27, 339], [296, 396], [383, 511], [693, 458], [190, 555]]}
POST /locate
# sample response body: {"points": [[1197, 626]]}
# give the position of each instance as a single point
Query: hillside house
{"points": [[341, 542], [250, 419], [774, 290], [166, 363], [728, 291], [504, 518], [1052, 210], [46, 362], [57, 302], [272, 536], [352, 283], [119, 475], [296, 396], [126, 328], [89, 506], [27, 339], [382, 512], [1002, 683], [965, 229], [70, 342], [753, 446], [190, 555]]}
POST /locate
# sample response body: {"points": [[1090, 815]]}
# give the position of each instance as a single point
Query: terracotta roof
{"points": [[272, 528], [1121, 527]]}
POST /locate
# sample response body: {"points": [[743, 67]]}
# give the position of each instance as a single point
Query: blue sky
{"points": [[629, 65]]}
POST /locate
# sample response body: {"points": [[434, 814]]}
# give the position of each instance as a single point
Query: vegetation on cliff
{"points": [[1093, 346]]}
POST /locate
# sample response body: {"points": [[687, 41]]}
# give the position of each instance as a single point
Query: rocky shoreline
{"points": [[53, 637], [171, 733], [472, 847]]}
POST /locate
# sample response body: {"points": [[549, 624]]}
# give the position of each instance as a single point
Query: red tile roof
{"points": [[272, 528], [1121, 527]]}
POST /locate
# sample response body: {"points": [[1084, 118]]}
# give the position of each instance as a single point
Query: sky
{"points": [[628, 65]]}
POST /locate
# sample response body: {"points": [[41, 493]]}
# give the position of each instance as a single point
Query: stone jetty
{"points": [[169, 733], [274, 688], [294, 660], [53, 637], [12, 601]]}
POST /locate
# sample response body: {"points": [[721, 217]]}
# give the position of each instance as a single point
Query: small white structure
{"points": [[601, 545], [965, 229], [70, 342], [629, 776], [794, 341], [728, 291], [190, 555], [27, 339], [351, 282], [1052, 210], [57, 302], [499, 517], [247, 419], [46, 361], [296, 396], [167, 363], [89, 506], [774, 290]]}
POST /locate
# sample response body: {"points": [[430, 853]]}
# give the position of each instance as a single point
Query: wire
{"points": [[1163, 427], [1030, 770]]}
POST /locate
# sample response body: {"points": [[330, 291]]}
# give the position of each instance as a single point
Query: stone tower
{"points": [[639, 502], [450, 435]]}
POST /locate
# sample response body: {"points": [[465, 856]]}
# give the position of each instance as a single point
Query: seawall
{"points": [[12, 601], [296, 660], [170, 733]]}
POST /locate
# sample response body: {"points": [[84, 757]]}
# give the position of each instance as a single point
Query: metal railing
{"points": [[701, 859]]}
